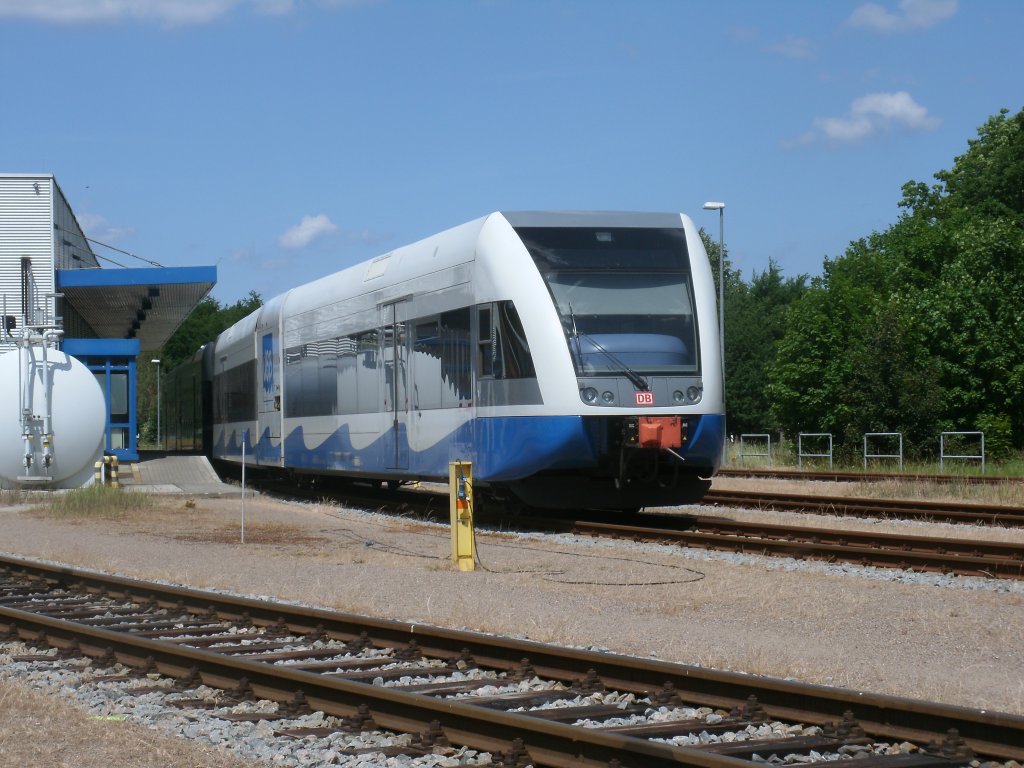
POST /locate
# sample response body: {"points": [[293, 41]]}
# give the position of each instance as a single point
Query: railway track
{"points": [[986, 559], [857, 477], [913, 553], [930, 511], [523, 702]]}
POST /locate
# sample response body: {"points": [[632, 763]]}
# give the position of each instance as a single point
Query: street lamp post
{"points": [[159, 441], [720, 207]]}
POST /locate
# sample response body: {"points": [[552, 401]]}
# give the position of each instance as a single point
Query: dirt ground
{"points": [[947, 644], [42, 731]]}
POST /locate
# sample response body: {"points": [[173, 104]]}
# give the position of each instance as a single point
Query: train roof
{"points": [[438, 251], [629, 219]]}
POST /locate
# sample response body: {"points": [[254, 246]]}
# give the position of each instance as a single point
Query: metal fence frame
{"points": [[743, 452], [943, 455], [800, 455], [883, 455]]}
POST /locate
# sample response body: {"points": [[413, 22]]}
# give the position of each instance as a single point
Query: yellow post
{"points": [[460, 495], [113, 473]]}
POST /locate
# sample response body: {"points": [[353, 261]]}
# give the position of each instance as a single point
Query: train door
{"points": [[268, 350], [394, 319]]}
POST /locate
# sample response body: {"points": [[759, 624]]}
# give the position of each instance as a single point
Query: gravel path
{"points": [[948, 639]]}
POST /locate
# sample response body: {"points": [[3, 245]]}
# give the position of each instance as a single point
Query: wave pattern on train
{"points": [[573, 358]]}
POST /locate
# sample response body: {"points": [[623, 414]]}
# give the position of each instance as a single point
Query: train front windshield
{"points": [[624, 295]]}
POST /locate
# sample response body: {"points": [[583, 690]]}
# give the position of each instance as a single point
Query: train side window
{"points": [[456, 358], [347, 373], [367, 374], [486, 349], [426, 365], [502, 349], [515, 349], [327, 403], [292, 381]]}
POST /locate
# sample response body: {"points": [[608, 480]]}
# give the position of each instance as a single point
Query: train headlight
{"points": [[678, 397], [589, 395], [608, 397], [694, 394]]}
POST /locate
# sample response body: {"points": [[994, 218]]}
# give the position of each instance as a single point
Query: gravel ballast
{"points": [[947, 639]]}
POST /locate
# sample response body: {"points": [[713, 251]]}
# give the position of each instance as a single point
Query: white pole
{"points": [[720, 207], [245, 436]]}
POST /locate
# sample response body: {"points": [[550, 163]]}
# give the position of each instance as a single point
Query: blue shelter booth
{"points": [[112, 362], [111, 316]]}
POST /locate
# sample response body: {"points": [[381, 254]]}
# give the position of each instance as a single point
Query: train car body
{"points": [[572, 358]]}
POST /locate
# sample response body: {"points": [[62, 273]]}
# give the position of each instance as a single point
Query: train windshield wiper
{"points": [[635, 378]]}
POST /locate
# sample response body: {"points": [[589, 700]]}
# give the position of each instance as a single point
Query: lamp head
{"points": [[714, 206]]}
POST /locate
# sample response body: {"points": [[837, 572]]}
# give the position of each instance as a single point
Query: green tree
{"points": [[826, 329], [920, 328], [208, 320], [755, 324]]}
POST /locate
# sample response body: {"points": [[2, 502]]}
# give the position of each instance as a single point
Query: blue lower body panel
{"points": [[545, 460]]}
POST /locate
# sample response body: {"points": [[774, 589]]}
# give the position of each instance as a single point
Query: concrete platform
{"points": [[174, 473]]}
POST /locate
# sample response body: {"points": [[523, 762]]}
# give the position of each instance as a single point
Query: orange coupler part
{"points": [[660, 432]]}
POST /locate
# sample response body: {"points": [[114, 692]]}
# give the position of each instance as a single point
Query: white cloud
{"points": [[306, 231], [912, 14], [869, 115], [170, 12], [274, 7], [793, 48], [98, 228], [174, 12]]}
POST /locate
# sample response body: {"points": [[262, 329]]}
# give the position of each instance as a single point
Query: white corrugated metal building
{"points": [[39, 235], [49, 274]]}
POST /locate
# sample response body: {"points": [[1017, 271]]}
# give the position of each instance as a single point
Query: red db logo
{"points": [[644, 398]]}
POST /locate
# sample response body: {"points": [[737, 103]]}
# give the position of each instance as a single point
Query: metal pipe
{"points": [[50, 336], [24, 404]]}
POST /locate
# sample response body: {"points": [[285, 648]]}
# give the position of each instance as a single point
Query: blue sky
{"points": [[286, 139]]}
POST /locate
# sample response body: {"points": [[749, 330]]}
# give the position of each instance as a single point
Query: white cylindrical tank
{"points": [[52, 408]]}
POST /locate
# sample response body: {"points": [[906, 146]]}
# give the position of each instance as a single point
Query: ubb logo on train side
{"points": [[644, 398], [268, 363]]}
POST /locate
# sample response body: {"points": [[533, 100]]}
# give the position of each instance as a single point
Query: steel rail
{"points": [[986, 559], [995, 734], [855, 476], [548, 744], [932, 511]]}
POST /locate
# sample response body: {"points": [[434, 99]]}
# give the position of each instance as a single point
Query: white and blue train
{"points": [[573, 358]]}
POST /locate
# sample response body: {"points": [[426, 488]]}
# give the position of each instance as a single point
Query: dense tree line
{"points": [[918, 329]]}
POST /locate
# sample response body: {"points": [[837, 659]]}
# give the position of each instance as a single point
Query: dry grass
{"points": [[1008, 493], [10, 498], [1004, 493], [46, 731], [255, 533], [97, 502]]}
